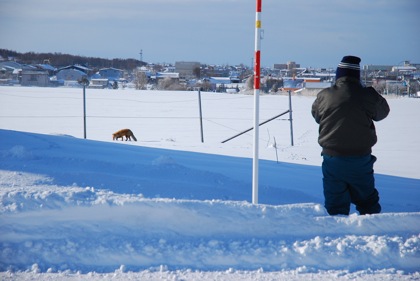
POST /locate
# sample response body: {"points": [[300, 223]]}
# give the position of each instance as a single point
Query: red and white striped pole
{"points": [[257, 80]]}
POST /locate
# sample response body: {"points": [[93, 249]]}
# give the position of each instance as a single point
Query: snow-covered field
{"points": [[169, 207]]}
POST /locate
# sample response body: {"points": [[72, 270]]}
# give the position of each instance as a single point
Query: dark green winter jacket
{"points": [[345, 113]]}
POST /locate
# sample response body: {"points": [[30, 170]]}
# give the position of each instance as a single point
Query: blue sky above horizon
{"points": [[312, 33]]}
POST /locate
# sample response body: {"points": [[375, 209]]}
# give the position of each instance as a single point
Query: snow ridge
{"points": [[84, 229]]}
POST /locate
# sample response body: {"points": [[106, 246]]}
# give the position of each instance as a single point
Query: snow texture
{"points": [[170, 207]]}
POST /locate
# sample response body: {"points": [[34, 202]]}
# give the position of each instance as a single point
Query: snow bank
{"points": [[74, 209]]}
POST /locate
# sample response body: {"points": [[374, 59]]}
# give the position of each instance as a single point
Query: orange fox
{"points": [[127, 133]]}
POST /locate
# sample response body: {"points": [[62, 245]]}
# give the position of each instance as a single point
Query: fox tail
{"points": [[134, 138]]}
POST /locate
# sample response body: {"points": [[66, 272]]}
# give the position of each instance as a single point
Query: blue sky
{"points": [[312, 33]]}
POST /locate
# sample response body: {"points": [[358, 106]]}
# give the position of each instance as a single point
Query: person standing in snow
{"points": [[345, 113]]}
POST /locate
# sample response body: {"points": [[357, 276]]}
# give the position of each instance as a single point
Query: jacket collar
{"points": [[347, 79]]}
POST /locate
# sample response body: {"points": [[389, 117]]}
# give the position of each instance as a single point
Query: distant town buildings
{"points": [[401, 79], [34, 78], [187, 69]]}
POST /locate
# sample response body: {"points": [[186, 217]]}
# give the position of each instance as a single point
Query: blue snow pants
{"points": [[350, 180]]}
